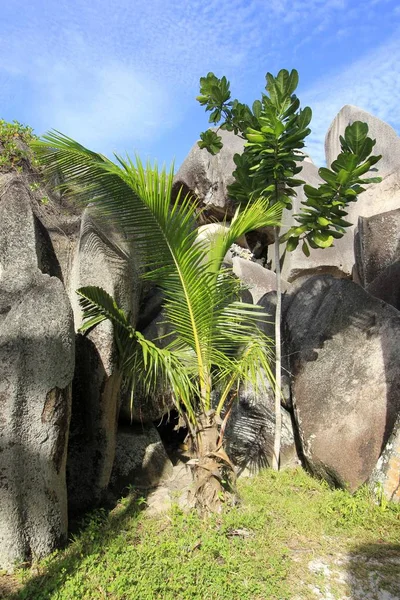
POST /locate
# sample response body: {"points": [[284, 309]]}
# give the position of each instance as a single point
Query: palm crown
{"points": [[217, 339]]}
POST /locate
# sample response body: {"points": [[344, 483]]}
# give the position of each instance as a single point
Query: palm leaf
{"points": [[212, 327], [143, 363]]}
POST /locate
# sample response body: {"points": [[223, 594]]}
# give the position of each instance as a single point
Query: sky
{"points": [[123, 75]]}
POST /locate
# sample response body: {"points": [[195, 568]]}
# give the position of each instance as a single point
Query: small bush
{"points": [[13, 138]]}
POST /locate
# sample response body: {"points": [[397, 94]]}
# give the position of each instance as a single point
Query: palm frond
{"points": [[201, 298], [143, 363]]}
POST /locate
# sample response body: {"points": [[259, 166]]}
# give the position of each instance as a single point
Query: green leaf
{"points": [[215, 116], [355, 135], [304, 118], [343, 176], [312, 192], [323, 221], [322, 240], [305, 249], [255, 138], [257, 107], [210, 141], [372, 180], [327, 175], [292, 244]]}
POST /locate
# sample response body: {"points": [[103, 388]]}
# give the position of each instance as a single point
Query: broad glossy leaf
{"points": [[322, 240], [292, 244], [305, 249], [305, 118], [327, 175], [355, 135], [312, 192], [257, 108], [323, 221]]}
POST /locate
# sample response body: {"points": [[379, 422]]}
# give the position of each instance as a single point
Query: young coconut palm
{"points": [[217, 342]]}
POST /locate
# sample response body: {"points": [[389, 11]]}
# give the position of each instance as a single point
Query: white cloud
{"points": [[103, 106], [372, 83], [113, 73]]}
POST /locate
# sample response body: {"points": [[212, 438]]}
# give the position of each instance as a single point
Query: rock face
{"points": [[249, 436], [140, 459], [385, 479], [345, 350], [377, 244], [387, 285], [207, 177], [258, 280], [37, 364], [102, 259]]}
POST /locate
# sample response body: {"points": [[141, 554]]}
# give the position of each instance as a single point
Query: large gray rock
{"points": [[345, 359], [140, 459], [36, 370], [386, 286], [207, 177], [249, 435], [103, 258], [385, 478], [257, 279], [377, 244]]}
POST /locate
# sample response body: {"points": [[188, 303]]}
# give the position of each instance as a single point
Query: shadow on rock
{"points": [[344, 359]]}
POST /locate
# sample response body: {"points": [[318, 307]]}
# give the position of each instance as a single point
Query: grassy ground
{"points": [[291, 538]]}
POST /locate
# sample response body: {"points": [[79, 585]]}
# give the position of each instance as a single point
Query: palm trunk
{"points": [[213, 473], [278, 374]]}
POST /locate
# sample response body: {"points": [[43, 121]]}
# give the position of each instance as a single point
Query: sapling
{"points": [[275, 129]]}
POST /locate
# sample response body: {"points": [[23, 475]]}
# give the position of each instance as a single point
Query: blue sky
{"points": [[123, 75]]}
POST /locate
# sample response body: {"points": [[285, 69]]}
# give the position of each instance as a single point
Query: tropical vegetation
{"points": [[275, 129], [217, 342], [291, 537], [14, 139]]}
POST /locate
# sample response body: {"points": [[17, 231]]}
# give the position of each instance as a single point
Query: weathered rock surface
{"points": [[36, 369], [249, 435], [102, 259], [377, 244], [386, 286], [140, 459], [256, 278], [345, 348], [385, 479], [207, 176]]}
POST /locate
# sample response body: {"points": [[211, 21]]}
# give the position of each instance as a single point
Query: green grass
{"points": [[257, 551]]}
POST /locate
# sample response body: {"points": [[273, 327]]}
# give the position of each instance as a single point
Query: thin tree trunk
{"points": [[278, 374]]}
